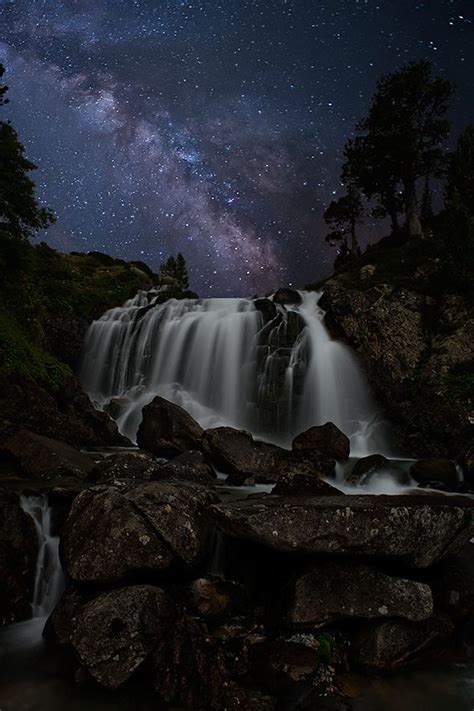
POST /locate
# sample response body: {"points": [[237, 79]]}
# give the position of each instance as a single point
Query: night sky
{"points": [[214, 127]]}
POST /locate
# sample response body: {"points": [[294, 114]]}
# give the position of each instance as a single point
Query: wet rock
{"points": [[63, 620], [45, 458], [441, 470], [366, 466], [167, 429], [106, 539], [324, 440], [267, 308], [190, 671], [334, 590], [157, 527], [118, 630], [125, 467], [287, 296], [416, 530], [303, 483], [18, 552], [278, 665], [237, 453], [190, 466], [393, 644], [453, 584]]}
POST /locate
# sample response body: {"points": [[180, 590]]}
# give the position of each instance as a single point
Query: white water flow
{"points": [[221, 362], [48, 576]]}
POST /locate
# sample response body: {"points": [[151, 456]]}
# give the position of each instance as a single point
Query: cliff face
{"points": [[418, 351]]}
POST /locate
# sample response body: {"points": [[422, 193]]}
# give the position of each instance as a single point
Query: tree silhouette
{"points": [[342, 216]]}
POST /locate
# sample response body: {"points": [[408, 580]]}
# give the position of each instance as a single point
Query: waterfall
{"points": [[48, 575], [227, 363]]}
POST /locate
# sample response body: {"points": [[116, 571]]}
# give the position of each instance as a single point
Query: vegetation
{"points": [[174, 273]]}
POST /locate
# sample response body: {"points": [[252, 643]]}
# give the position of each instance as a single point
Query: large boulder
{"points": [[158, 527], [18, 552], [444, 471], [325, 441], [416, 530], [287, 296], [189, 466], [392, 644], [118, 630], [126, 468], [167, 429], [453, 584], [335, 590], [303, 483], [366, 467], [45, 458], [235, 452]]}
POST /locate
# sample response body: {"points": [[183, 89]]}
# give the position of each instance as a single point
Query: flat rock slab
{"points": [[417, 530]]}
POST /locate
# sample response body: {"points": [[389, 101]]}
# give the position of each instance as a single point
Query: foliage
{"points": [[326, 647], [174, 273], [342, 216], [400, 140]]}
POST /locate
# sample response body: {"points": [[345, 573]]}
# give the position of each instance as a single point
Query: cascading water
{"points": [[230, 362], [48, 575]]}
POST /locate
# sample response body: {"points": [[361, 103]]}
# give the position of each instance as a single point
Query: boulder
{"points": [[416, 530], [287, 296], [118, 630], [125, 467], [167, 429], [365, 467], [303, 483], [18, 552], [440, 470], [267, 308], [190, 466], [214, 598], [45, 458], [329, 591], [393, 644], [158, 527], [237, 453], [325, 441], [453, 584], [63, 620]]}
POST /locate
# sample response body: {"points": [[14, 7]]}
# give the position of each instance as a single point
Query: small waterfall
{"points": [[49, 581], [226, 365]]}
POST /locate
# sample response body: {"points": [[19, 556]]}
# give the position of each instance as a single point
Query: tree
{"points": [[460, 183], [174, 272], [20, 213], [342, 216], [426, 203], [400, 140]]}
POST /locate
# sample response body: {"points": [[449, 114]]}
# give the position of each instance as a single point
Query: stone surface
{"points": [[428, 470], [278, 665], [393, 644], [236, 452], [63, 620], [125, 467], [213, 597], [453, 584], [365, 467], [18, 552], [287, 296], [190, 466], [416, 530], [335, 590], [45, 458], [324, 440], [118, 630], [167, 429], [303, 483]]}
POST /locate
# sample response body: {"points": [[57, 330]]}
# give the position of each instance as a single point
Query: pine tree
{"points": [[342, 216]]}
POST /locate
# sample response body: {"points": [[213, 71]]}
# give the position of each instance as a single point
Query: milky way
{"points": [[211, 128]]}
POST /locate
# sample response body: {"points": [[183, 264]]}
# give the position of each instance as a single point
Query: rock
{"points": [[325, 440], [190, 466], [278, 665], [63, 620], [44, 458], [236, 452], [392, 644], [179, 514], [118, 630], [158, 527], [416, 530], [453, 584], [213, 598], [198, 677], [303, 483], [18, 552], [106, 539], [267, 308], [365, 467], [287, 296], [167, 430], [335, 590], [440, 470], [125, 467]]}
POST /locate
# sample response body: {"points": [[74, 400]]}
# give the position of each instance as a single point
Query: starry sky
{"points": [[211, 127]]}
